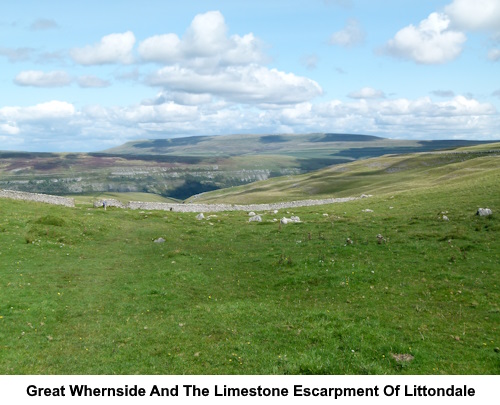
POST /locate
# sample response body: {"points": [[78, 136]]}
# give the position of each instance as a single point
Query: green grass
{"points": [[87, 291], [85, 199], [382, 175]]}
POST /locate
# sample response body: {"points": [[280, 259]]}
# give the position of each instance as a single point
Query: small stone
{"points": [[484, 212], [255, 218], [159, 240]]}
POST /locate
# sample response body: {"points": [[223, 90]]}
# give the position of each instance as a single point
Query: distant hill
{"points": [[306, 146], [181, 167]]}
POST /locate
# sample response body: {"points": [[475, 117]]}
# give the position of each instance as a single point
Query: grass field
{"points": [[87, 291]]}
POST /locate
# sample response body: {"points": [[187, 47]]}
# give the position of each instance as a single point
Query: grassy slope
{"points": [[87, 199], [92, 294], [386, 174]]}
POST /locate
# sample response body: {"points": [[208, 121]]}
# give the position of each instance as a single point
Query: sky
{"points": [[90, 75]]}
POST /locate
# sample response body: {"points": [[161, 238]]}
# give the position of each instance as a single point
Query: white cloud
{"points": [[161, 48], [352, 34], [475, 14], [9, 129], [37, 78], [367, 92], [204, 45], [46, 126], [51, 110], [181, 98], [206, 61], [113, 48], [432, 42], [246, 84], [92, 82]]}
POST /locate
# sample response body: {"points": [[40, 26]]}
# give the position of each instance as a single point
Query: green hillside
{"points": [[88, 291], [382, 175]]}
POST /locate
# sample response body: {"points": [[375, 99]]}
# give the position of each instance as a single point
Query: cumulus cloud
{"points": [[9, 129], [113, 48], [92, 82], [475, 14], [352, 34], [432, 42], [51, 110], [92, 126], [207, 61], [366, 93], [37, 78], [43, 24], [204, 45], [246, 84]]}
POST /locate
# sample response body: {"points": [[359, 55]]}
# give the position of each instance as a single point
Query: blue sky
{"points": [[85, 76]]}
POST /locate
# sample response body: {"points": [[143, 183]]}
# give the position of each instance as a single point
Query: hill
{"points": [[181, 167], [382, 175], [381, 285]]}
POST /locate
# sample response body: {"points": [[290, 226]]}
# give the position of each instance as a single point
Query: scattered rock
{"points": [[445, 218], [325, 215], [349, 241], [367, 210], [255, 218], [402, 358], [251, 214], [286, 220], [365, 195], [380, 239], [200, 216], [484, 212], [159, 240]]}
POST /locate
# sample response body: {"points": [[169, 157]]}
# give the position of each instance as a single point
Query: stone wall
{"points": [[109, 203], [136, 205], [42, 198], [156, 206]]}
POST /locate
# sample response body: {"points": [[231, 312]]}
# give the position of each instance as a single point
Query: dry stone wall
{"points": [[42, 198], [156, 206], [231, 207]]}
